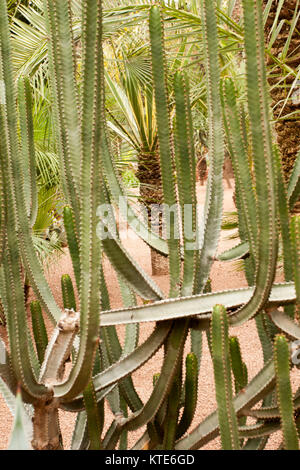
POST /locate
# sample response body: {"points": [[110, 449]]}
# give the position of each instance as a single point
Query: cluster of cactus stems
{"points": [[85, 335]]}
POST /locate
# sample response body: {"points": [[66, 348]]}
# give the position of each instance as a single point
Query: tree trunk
{"points": [[151, 193], [287, 128], [46, 430]]}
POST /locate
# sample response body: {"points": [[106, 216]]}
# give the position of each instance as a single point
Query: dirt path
{"points": [[224, 276]]}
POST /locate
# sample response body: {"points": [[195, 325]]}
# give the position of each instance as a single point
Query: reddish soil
{"points": [[224, 276]]}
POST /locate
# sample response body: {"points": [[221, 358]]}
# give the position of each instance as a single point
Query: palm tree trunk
{"points": [[287, 127], [151, 193]]}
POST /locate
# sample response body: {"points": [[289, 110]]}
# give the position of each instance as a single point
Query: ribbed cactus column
{"points": [[85, 331]]}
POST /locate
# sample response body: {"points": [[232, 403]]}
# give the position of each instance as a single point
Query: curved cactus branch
{"points": [[64, 89], [238, 252], [11, 164], [199, 306], [59, 348], [285, 324], [133, 361]]}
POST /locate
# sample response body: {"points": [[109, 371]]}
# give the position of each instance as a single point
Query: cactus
{"points": [[295, 231], [101, 367], [222, 369], [190, 396], [284, 393], [39, 330], [239, 368]]}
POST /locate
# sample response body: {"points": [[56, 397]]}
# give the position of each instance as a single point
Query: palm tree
{"points": [[13, 7]]}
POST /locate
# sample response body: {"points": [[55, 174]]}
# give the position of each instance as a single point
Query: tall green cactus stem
{"points": [[164, 137], [11, 164], [14, 294], [185, 166], [241, 165], [294, 184], [85, 136], [171, 419], [174, 349], [222, 370], [295, 233], [155, 427], [239, 368], [284, 220], [263, 158], [72, 242], [68, 293], [39, 329], [95, 424], [284, 393], [214, 197], [28, 150], [245, 197], [191, 393]]}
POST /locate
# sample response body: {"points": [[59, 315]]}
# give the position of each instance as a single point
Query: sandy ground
{"points": [[224, 276]]}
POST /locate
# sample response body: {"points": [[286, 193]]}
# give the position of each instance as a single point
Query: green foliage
{"points": [[101, 367]]}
